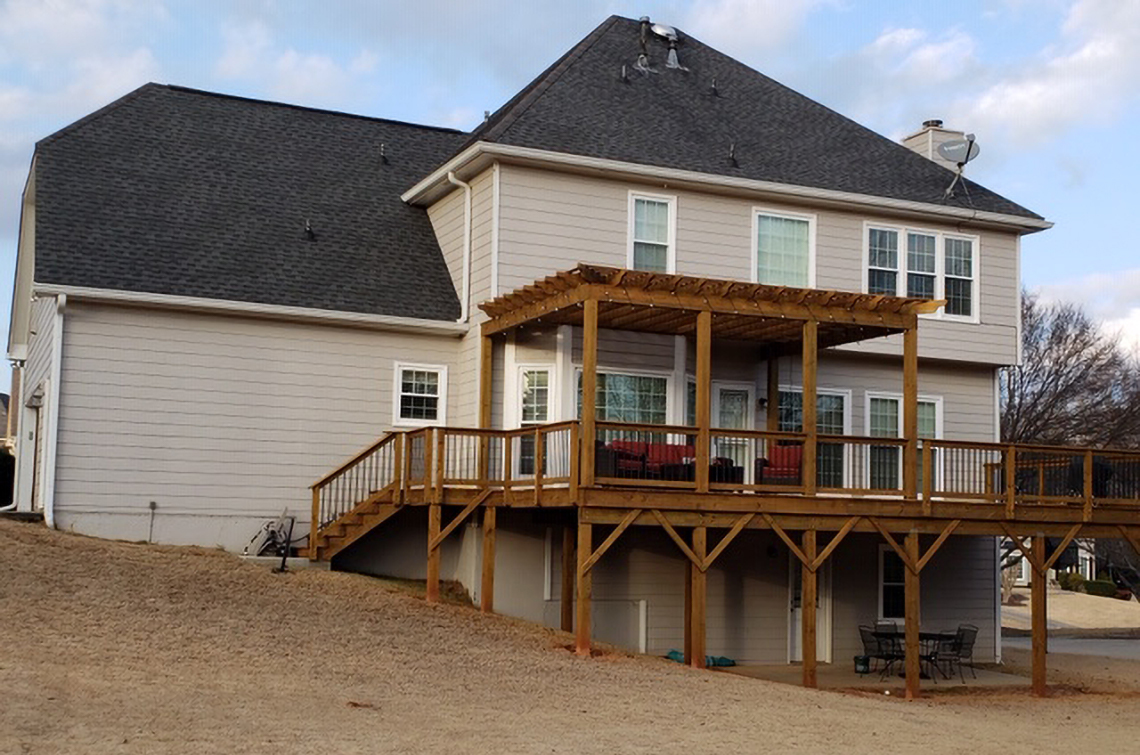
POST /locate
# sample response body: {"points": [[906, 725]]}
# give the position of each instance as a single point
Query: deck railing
{"points": [[527, 461]]}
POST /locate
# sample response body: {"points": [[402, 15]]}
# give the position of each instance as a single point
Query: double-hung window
{"points": [[534, 409], [652, 230], [421, 392], [884, 420], [923, 265], [638, 399], [831, 419], [784, 249]]}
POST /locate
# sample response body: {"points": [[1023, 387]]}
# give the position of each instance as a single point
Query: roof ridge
{"points": [[109, 107], [505, 117], [307, 108]]}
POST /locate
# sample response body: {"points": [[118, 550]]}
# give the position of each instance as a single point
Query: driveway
{"points": [[1126, 649]]}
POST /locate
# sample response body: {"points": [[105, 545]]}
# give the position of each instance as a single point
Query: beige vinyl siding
{"points": [[551, 221], [38, 367], [222, 421]]}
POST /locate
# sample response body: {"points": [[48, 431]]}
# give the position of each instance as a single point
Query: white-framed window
{"points": [[833, 417], [892, 584], [884, 420], [634, 397], [923, 264], [420, 394], [652, 233], [534, 409], [783, 248]]}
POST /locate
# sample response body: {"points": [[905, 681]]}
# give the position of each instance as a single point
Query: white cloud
{"points": [[252, 54], [1092, 73], [1111, 298], [743, 26]]}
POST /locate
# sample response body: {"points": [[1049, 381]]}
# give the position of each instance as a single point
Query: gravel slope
{"points": [[121, 648]]}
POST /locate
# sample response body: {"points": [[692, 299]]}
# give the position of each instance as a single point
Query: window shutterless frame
{"points": [[954, 276], [398, 393], [809, 218], [670, 203]]}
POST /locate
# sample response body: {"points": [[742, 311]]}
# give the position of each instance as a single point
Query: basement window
{"points": [[420, 394]]}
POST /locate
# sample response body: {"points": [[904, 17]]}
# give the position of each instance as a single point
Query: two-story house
{"points": [[663, 351]]}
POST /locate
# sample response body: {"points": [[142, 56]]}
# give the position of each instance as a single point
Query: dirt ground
{"points": [[120, 648], [1073, 610]]}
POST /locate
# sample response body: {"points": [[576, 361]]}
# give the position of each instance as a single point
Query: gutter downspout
{"points": [[52, 444], [465, 302]]}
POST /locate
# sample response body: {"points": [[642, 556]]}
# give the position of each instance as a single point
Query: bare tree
{"points": [[1076, 385]]}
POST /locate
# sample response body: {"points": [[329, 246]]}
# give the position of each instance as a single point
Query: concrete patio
{"points": [[832, 676]]}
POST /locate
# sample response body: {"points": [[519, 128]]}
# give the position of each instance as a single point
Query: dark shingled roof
{"points": [[673, 119], [176, 191]]}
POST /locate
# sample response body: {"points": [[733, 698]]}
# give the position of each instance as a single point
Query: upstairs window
{"points": [[923, 265], [651, 233], [420, 394], [785, 249]]}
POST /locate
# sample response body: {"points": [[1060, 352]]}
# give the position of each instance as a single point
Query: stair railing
{"points": [[364, 475]]}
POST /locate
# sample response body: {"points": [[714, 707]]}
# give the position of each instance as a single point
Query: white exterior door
{"points": [[732, 409], [795, 612]]}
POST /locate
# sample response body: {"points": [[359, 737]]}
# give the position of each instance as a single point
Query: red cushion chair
{"points": [[782, 465]]}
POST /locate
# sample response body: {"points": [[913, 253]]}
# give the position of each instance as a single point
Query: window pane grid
{"points": [[419, 394], [883, 261], [536, 396], [651, 235], [639, 399], [782, 251]]}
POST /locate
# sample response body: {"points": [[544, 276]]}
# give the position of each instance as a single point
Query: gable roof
{"points": [[581, 105], [176, 191]]}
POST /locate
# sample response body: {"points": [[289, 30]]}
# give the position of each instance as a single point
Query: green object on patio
{"points": [[710, 660], [862, 664]]}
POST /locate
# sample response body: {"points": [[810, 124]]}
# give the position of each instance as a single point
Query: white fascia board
{"points": [[253, 309], [421, 191]]}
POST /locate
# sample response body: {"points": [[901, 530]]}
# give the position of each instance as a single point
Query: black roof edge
{"points": [[114, 105]]}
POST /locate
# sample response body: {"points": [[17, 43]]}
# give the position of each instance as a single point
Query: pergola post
{"points": [[808, 616], [704, 399], [913, 617], [585, 548], [1039, 615], [810, 429], [699, 600], [589, 390], [910, 413]]}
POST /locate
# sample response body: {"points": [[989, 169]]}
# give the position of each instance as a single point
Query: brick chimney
{"points": [[925, 141]]}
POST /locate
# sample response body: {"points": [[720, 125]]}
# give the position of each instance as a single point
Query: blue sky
{"points": [[1050, 87]]}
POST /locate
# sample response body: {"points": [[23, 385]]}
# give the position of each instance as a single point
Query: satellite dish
{"points": [[959, 151]]}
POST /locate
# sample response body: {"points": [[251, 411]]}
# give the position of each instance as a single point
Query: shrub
{"points": [[1069, 580], [1102, 587]]}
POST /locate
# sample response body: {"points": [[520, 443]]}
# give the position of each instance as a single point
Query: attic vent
{"points": [[670, 35]]}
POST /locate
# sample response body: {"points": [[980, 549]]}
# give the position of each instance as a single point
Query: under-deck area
{"points": [[702, 486]]}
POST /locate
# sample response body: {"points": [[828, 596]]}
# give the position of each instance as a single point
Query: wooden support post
{"points": [[584, 584], [487, 587], [315, 524], [699, 599], [808, 595], [810, 428], [773, 408], [913, 617], [1039, 615], [704, 399], [589, 389], [435, 515], [1088, 487], [1010, 481], [568, 567], [688, 617], [910, 412]]}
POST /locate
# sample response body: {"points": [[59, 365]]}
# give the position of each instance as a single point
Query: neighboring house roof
{"points": [[581, 105], [176, 191]]}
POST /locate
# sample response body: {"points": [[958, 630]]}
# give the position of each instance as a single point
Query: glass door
{"points": [[732, 410]]}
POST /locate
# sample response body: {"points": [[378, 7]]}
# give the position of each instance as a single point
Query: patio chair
{"points": [[960, 651], [873, 647]]}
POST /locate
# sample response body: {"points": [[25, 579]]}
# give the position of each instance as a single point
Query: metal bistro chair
{"points": [[890, 646], [872, 647], [958, 650]]}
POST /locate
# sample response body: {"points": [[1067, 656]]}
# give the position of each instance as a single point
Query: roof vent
{"points": [[932, 123]]}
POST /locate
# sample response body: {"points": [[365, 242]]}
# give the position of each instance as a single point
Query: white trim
{"points": [[272, 311], [420, 193], [922, 399], [680, 375], [1017, 277], [51, 443], [716, 386], [670, 200], [564, 367], [495, 213], [441, 370], [901, 271], [754, 242], [997, 600]]}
